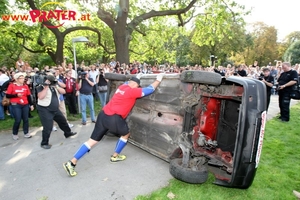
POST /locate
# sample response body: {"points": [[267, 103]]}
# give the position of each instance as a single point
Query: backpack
{"points": [[295, 94]]}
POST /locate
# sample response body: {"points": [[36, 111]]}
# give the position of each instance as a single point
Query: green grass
{"points": [[35, 121], [277, 175]]}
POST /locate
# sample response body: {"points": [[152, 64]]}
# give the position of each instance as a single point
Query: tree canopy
{"points": [[177, 31]]}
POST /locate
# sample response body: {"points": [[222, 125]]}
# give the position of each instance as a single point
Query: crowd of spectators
{"points": [[97, 69]]}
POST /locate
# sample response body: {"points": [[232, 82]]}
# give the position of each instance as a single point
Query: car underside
{"points": [[200, 123]]}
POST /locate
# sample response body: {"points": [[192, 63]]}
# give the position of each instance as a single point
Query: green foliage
{"points": [[260, 45], [276, 177], [292, 54], [4, 7]]}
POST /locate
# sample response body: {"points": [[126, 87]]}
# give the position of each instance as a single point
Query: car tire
{"points": [[195, 76], [114, 76], [187, 174]]}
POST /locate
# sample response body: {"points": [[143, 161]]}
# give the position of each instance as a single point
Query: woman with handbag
{"points": [[19, 95], [102, 87]]}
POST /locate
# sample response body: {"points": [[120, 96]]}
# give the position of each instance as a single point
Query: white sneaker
{"points": [[27, 135], [54, 128], [15, 137], [70, 125]]}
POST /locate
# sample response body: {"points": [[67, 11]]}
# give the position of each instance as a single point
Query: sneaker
{"points": [[27, 135], [15, 137], [70, 169], [70, 125], [54, 128], [117, 158]]}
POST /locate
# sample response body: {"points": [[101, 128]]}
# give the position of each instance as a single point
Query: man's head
{"points": [[134, 82], [70, 66], [286, 66], [266, 71]]}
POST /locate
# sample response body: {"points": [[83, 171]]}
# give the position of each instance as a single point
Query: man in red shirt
{"points": [[112, 118]]}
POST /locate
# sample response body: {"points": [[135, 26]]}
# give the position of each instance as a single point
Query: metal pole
{"points": [[75, 65]]}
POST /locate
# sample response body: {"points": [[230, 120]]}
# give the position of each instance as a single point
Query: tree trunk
{"points": [[59, 50], [121, 39]]}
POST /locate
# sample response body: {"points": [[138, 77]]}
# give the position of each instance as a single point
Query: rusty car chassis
{"points": [[200, 122]]}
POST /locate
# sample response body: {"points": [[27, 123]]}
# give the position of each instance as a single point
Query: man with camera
{"points": [[286, 80], [85, 85], [48, 109], [268, 80]]}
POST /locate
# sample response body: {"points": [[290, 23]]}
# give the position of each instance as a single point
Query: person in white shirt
{"points": [[74, 73], [93, 74], [3, 78]]}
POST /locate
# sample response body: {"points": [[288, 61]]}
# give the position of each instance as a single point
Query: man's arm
{"points": [[90, 82], [42, 94], [151, 88]]}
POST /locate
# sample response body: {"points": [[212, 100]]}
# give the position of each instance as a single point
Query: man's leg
{"points": [[73, 104], [119, 147], [46, 118], [286, 107], [60, 119], [90, 101], [96, 136], [120, 127], [83, 101]]}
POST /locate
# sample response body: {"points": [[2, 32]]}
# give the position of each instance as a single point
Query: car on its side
{"points": [[201, 122]]}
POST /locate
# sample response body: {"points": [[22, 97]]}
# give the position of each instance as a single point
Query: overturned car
{"points": [[200, 122]]}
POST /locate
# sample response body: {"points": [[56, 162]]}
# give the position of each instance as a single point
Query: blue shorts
{"points": [[112, 123]]}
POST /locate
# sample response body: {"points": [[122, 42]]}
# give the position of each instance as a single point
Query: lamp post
{"points": [[75, 40]]}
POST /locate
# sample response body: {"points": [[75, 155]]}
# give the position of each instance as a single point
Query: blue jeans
{"points": [[20, 113], [87, 100], [2, 115], [103, 98]]}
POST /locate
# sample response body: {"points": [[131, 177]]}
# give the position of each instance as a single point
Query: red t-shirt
{"points": [[16, 89], [69, 85], [122, 101]]}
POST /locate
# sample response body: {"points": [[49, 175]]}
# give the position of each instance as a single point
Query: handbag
{"points": [[5, 101], [102, 88]]}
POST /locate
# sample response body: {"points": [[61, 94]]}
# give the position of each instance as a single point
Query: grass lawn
{"points": [[277, 175]]}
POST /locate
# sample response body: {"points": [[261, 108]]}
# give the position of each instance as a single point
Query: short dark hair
{"points": [[265, 69]]}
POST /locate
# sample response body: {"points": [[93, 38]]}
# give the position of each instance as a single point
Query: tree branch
{"points": [[106, 17], [76, 28], [138, 19], [21, 35]]}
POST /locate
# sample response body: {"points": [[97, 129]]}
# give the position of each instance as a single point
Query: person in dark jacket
{"points": [[268, 80], [48, 110], [102, 87], [286, 80]]}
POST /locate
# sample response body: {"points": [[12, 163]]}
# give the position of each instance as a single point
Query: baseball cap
{"points": [[51, 78], [17, 75], [135, 80]]}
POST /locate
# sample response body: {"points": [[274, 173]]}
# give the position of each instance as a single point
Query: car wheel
{"points": [[195, 76], [197, 175], [114, 76]]}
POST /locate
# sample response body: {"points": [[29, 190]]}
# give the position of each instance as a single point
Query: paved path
{"points": [[28, 172]]}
